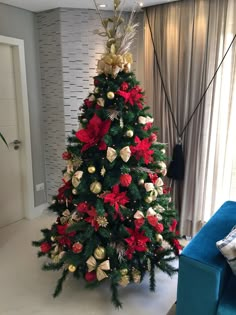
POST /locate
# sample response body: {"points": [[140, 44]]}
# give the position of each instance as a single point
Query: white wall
{"points": [[20, 24]]}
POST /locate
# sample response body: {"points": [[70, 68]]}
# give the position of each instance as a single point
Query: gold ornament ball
{"points": [[110, 95], [129, 133], [72, 268], [100, 253], [91, 169], [124, 272], [148, 199], [96, 187], [96, 90], [136, 278], [141, 182], [159, 238], [74, 191], [124, 281], [56, 259]]}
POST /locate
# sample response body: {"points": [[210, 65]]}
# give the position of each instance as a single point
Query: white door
{"points": [[11, 201]]}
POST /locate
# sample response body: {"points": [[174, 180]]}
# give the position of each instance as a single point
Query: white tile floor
{"points": [[26, 290]]}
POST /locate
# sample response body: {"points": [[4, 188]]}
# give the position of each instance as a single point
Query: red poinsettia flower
{"points": [[82, 207], [147, 126], [153, 177], [166, 189], [92, 218], [116, 199], [124, 86], [62, 190], [153, 221], [65, 237], [153, 137], [88, 103], [136, 242], [45, 247], [141, 150], [173, 226], [176, 245], [94, 133], [133, 96], [139, 222]]}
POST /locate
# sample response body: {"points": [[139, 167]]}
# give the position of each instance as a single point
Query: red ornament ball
{"points": [[124, 86], [45, 247], [66, 155], [153, 137], [125, 180], [90, 276], [96, 82], [77, 248]]}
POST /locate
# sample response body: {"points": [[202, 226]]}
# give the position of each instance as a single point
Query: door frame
{"points": [[23, 123]]}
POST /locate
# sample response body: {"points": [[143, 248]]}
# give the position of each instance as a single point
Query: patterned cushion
{"points": [[227, 246]]}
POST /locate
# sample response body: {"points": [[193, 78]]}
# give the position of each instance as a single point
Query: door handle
{"points": [[16, 143]]}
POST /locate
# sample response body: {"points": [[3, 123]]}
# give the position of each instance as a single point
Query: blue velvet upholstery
{"points": [[203, 271]]}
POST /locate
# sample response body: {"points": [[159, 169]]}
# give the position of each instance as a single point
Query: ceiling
{"points": [[42, 5]]}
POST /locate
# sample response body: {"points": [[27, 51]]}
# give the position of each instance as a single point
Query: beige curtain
{"points": [[191, 37]]}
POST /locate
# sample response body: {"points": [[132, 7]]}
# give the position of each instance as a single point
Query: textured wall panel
{"points": [[52, 96]]}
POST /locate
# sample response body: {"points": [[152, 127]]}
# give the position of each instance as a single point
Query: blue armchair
{"points": [[206, 284]]}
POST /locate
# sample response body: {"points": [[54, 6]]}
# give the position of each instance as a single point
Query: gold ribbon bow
{"points": [[92, 265], [125, 154], [76, 178]]}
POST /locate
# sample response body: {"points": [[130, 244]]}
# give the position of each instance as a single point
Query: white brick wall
{"points": [[52, 96]]}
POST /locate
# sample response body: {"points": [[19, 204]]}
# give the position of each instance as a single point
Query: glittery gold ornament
{"points": [[129, 133], [56, 259], [96, 90], [141, 182], [124, 272], [103, 171], [100, 253], [77, 162], [74, 191], [136, 275], [110, 95], [124, 281], [91, 169], [71, 268], [159, 238], [102, 221], [96, 187], [148, 199]]}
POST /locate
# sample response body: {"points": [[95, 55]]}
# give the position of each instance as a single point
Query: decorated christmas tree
{"points": [[115, 219]]}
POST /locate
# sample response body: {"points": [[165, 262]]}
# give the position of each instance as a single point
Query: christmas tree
{"points": [[115, 218]]}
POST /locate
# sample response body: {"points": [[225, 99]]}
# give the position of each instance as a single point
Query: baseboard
{"points": [[37, 211]]}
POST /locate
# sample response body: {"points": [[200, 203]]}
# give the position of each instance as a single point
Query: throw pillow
{"points": [[227, 246]]}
